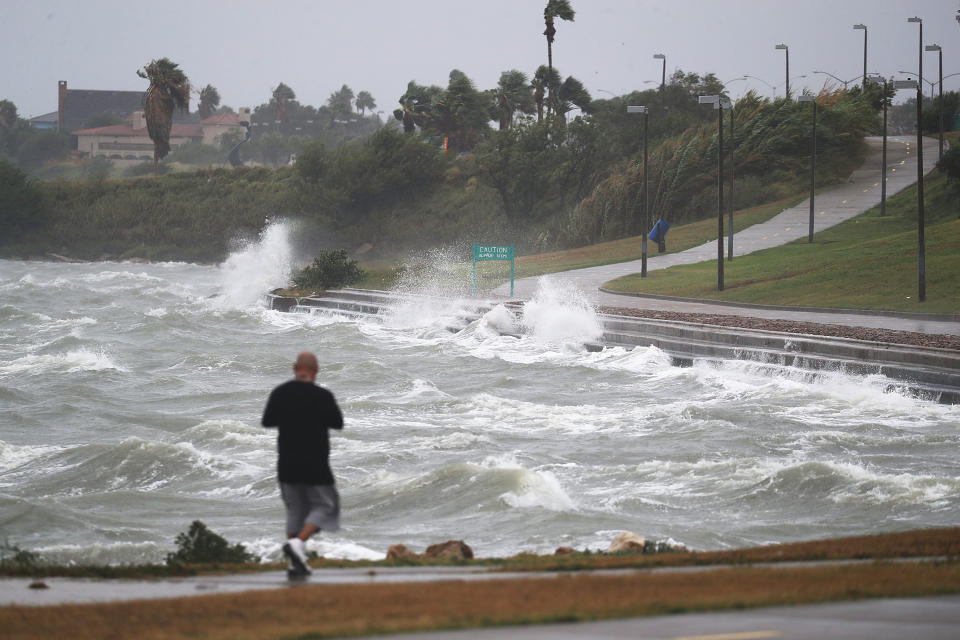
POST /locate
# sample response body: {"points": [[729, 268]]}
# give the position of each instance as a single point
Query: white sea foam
{"points": [[257, 268], [531, 488], [70, 362], [560, 313]]}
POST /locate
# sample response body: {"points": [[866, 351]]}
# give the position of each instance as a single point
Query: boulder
{"points": [[627, 542], [454, 549], [563, 551], [400, 552]]}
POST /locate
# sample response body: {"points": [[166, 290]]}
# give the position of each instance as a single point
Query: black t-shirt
{"points": [[303, 412]]}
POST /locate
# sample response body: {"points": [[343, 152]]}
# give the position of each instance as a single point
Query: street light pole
{"points": [[717, 102], [936, 47], [921, 250], [663, 77], [813, 159], [864, 27], [883, 170], [732, 144], [786, 50], [645, 224]]}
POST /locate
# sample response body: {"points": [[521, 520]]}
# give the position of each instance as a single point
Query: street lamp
{"points": [[931, 83], [718, 104], [646, 211], [813, 158], [786, 50], [864, 27], [936, 47], [663, 76], [883, 173], [921, 251], [764, 82], [843, 82]]}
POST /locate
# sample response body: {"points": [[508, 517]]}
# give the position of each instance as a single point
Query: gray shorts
{"points": [[314, 504]]}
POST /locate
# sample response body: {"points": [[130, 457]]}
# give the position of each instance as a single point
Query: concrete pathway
{"points": [[833, 206], [935, 618]]}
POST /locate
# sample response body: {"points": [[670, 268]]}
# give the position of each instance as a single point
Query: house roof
{"points": [[223, 118], [47, 117], [176, 131]]}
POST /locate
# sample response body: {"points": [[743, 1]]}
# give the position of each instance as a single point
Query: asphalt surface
{"points": [[935, 618], [832, 207]]}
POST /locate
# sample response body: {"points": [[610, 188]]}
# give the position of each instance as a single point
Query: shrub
{"points": [[17, 559], [199, 544], [330, 270]]}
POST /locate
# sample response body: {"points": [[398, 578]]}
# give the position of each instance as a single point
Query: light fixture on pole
{"points": [[813, 158], [936, 47], [718, 104], [921, 244], [929, 82], [773, 88], [864, 27], [645, 223], [663, 77], [843, 82], [883, 172], [786, 50]]}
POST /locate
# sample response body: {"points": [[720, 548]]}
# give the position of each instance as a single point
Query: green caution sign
{"points": [[485, 252]]}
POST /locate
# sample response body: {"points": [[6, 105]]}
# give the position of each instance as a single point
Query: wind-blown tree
{"points": [[512, 95], [416, 105], [169, 88], [571, 94], [340, 103], [209, 101], [544, 81], [281, 98], [461, 113], [554, 9], [365, 101]]}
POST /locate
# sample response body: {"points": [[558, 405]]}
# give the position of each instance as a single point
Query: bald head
{"points": [[305, 368]]}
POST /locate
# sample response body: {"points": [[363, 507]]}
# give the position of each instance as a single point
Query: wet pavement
{"points": [[934, 618], [832, 206]]}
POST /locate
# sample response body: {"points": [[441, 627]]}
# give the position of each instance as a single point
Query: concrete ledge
{"points": [[930, 373]]}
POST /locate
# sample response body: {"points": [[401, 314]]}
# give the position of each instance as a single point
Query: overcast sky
{"points": [[245, 48]]}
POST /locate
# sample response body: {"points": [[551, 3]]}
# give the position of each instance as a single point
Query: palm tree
{"points": [[209, 101], [282, 95], [545, 80], [572, 94], [365, 101], [169, 88], [416, 105], [554, 9], [341, 103], [512, 94]]}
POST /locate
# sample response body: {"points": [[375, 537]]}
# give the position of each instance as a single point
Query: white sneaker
{"points": [[296, 552]]}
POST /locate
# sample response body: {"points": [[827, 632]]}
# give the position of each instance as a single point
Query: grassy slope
{"points": [[678, 239], [869, 262]]}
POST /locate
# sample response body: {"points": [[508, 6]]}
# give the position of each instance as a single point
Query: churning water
{"points": [[131, 397]]}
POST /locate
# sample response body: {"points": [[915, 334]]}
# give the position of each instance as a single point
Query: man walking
{"points": [[303, 412]]}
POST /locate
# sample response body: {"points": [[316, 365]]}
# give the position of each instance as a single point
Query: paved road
{"points": [[833, 206], [928, 618]]}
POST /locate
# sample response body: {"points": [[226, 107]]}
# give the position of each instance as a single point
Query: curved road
{"points": [[833, 206]]}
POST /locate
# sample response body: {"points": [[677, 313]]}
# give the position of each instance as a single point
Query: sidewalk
{"points": [[833, 206]]}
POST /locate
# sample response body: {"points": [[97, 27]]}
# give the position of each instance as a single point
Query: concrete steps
{"points": [[930, 373]]}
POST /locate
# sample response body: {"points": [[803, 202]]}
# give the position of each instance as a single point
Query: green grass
{"points": [[868, 262], [626, 249]]}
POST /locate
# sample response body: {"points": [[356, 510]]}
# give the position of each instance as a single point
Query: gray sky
{"points": [[245, 48]]}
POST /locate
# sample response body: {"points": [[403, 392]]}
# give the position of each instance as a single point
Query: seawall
{"points": [[930, 373]]}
